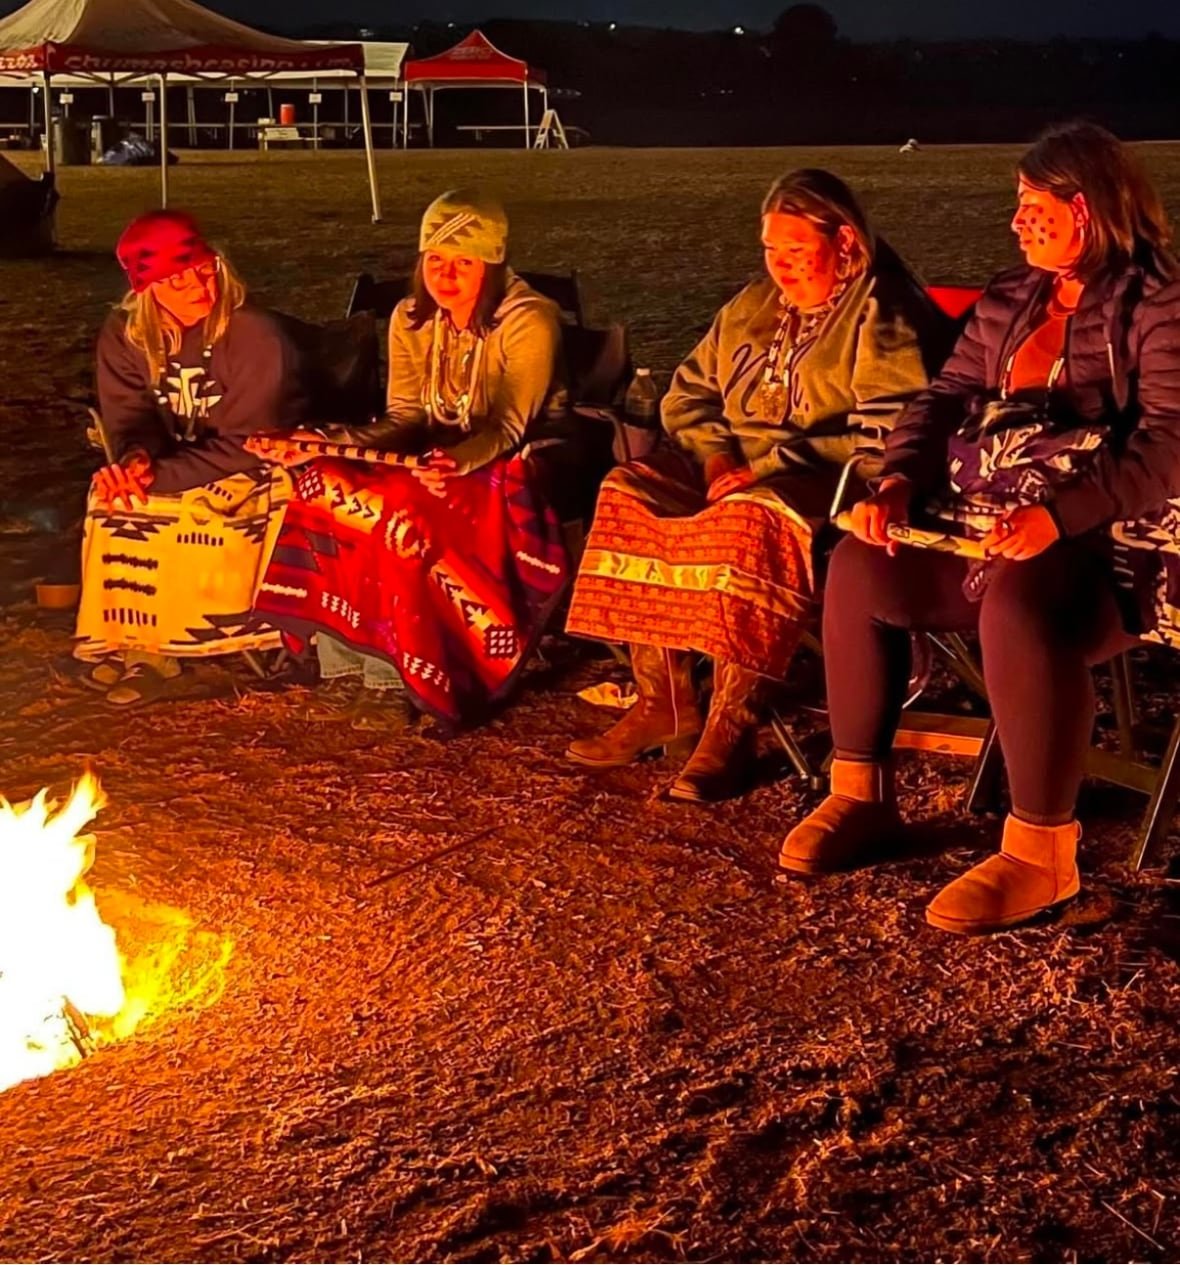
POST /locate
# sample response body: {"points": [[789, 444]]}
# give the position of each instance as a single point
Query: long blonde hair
{"points": [[150, 330]]}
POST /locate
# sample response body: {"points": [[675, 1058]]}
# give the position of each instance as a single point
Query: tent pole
{"points": [[164, 140], [430, 116], [526, 114], [50, 159], [370, 159], [191, 104], [111, 98], [232, 111], [315, 115], [406, 118]]}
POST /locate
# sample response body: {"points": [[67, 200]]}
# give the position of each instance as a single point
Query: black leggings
{"points": [[1043, 624]]}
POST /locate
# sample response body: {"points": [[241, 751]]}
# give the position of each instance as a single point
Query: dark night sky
{"points": [[858, 19]]}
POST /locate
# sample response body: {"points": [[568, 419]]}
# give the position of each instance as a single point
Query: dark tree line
{"points": [[801, 82]]}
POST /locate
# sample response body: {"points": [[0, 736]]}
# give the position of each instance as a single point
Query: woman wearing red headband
{"points": [[179, 522]]}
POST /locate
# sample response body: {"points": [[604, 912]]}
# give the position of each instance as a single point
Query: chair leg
{"points": [[795, 754], [960, 660], [258, 668], [1162, 805], [983, 795], [1124, 703]]}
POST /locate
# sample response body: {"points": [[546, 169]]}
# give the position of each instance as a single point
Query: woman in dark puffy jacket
{"points": [[1056, 419]]}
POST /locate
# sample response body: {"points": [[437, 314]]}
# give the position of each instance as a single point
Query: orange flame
{"points": [[56, 953]]}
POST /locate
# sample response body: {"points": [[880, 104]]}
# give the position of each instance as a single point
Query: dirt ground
{"points": [[458, 1000]]}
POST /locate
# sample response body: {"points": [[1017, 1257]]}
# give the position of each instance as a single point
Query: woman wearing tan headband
{"points": [[434, 576]]}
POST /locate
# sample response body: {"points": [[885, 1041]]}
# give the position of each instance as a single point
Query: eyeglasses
{"points": [[204, 272]]}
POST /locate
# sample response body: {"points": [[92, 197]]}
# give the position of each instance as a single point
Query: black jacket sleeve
{"points": [[1140, 476]]}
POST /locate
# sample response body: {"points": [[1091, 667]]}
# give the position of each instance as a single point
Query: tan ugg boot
{"points": [[667, 714], [721, 763], [851, 827], [1035, 869]]}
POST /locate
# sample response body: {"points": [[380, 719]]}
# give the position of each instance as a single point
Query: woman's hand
{"points": [[125, 481], [872, 517], [280, 450], [434, 471], [733, 481], [1022, 534]]}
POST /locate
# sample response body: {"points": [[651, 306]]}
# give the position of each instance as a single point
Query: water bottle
{"points": [[641, 409]]}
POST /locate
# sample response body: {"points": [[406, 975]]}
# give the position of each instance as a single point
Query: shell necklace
{"points": [[795, 330], [440, 384]]}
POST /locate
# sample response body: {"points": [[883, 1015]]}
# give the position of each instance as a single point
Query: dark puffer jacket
{"points": [[1122, 369]]}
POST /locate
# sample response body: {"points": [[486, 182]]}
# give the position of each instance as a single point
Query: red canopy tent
{"points": [[475, 62], [158, 37]]}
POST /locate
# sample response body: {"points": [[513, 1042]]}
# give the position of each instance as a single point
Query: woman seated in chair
{"points": [[181, 519], [712, 547], [1057, 415], [433, 567]]}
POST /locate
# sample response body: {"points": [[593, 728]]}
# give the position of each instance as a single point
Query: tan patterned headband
{"points": [[461, 221]]}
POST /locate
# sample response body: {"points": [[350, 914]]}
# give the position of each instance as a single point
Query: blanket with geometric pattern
{"points": [[454, 591]]}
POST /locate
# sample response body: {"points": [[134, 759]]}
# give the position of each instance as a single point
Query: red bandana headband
{"points": [[159, 245]]}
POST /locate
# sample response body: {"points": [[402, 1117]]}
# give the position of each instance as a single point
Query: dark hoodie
{"points": [[251, 383]]}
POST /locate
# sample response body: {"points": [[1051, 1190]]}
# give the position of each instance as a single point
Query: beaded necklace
{"points": [[457, 411], [795, 330]]}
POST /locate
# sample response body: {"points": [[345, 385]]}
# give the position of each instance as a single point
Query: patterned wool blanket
{"points": [[454, 591], [732, 580], [178, 575]]}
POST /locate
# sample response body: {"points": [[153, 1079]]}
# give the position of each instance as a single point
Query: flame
{"points": [[59, 963]]}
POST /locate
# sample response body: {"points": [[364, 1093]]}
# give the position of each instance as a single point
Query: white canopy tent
{"points": [[383, 70], [92, 40]]}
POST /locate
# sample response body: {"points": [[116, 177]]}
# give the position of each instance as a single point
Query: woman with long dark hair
{"points": [[710, 546], [1056, 419], [432, 569]]}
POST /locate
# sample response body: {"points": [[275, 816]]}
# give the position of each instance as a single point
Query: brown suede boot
{"points": [[721, 763], [851, 827], [1035, 869], [667, 714]]}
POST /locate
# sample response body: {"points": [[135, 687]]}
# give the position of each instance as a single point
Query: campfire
{"points": [[60, 968]]}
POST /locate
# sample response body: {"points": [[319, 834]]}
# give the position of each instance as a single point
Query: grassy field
{"points": [[415, 999]]}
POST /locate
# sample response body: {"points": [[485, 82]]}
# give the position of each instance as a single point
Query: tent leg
{"points": [[232, 111], [50, 157], [370, 158], [526, 115], [111, 98], [430, 117], [163, 140], [191, 107]]}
